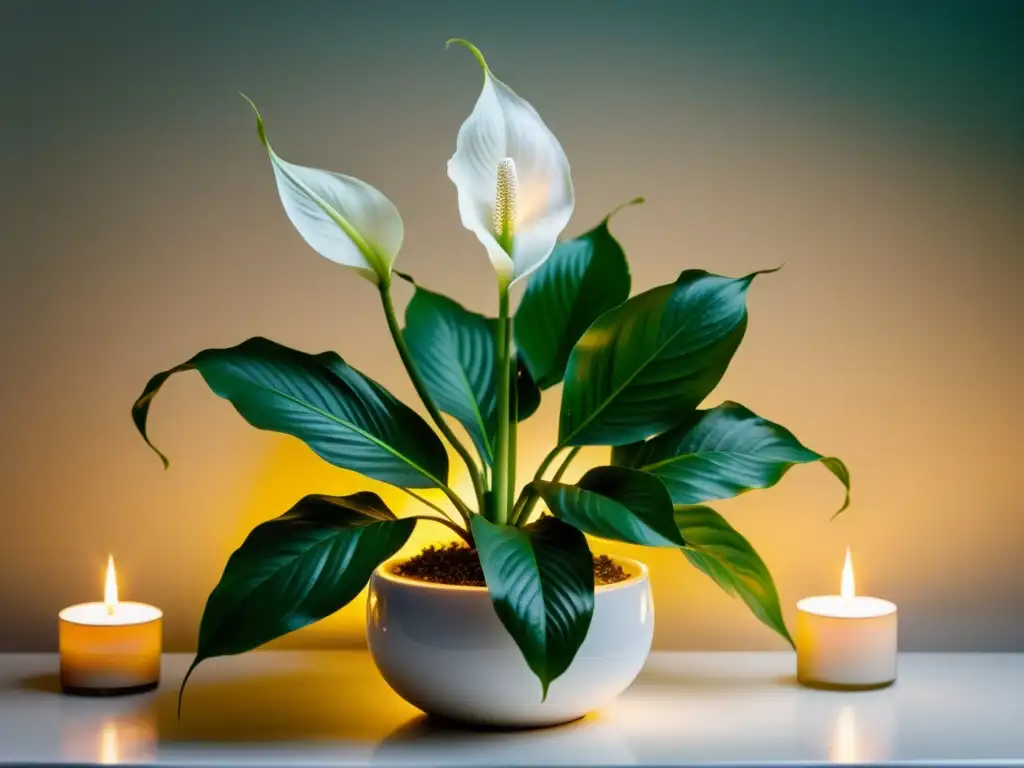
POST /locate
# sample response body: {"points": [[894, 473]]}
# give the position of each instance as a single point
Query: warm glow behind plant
{"points": [[634, 373]]}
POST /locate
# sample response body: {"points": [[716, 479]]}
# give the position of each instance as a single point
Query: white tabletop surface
{"points": [[331, 708]]}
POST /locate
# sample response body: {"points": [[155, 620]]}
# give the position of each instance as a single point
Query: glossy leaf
{"points": [[297, 569], [527, 392], [347, 418], [541, 581], [581, 280], [454, 351], [340, 217], [722, 452], [717, 549], [615, 503], [644, 365]]}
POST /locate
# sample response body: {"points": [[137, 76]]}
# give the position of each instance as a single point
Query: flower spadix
{"points": [[342, 218], [512, 176]]}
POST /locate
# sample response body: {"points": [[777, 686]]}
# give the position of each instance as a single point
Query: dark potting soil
{"points": [[458, 565]]}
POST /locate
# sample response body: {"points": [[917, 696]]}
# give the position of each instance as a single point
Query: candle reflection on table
{"points": [[861, 732], [844, 737], [110, 739], [109, 750]]}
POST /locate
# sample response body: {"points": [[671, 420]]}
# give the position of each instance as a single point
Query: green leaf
{"points": [[722, 452], [615, 503], [296, 569], [346, 418], [644, 365], [717, 549], [582, 279], [541, 581], [454, 351], [527, 392]]}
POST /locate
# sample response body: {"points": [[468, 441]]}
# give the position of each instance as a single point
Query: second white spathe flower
{"points": [[342, 218], [512, 176]]}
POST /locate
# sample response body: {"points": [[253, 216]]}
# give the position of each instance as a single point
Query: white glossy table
{"points": [[318, 708]]}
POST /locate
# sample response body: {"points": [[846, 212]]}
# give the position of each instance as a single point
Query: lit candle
{"points": [[111, 647], [844, 640]]}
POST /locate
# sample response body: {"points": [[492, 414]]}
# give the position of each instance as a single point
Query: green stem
{"points": [[466, 537], [435, 414], [513, 421], [528, 495], [529, 499], [565, 464], [428, 503], [502, 462]]}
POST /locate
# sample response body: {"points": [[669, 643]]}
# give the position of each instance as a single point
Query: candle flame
{"points": [[110, 589], [848, 589]]}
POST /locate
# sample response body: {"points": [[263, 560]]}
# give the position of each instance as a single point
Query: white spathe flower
{"points": [[512, 177], [342, 218]]}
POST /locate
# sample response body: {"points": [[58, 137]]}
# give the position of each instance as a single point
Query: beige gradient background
{"points": [[877, 155]]}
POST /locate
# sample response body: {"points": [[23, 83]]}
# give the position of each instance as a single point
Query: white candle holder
{"points": [[845, 641], [846, 645], [110, 648], [105, 654]]}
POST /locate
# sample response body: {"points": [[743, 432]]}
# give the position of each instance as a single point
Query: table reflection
{"points": [[108, 739], [844, 738], [859, 731], [336, 707], [594, 740]]}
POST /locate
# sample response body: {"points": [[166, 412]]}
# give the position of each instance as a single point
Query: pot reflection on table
{"points": [[424, 740]]}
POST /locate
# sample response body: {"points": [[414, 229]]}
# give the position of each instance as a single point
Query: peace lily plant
{"points": [[634, 372]]}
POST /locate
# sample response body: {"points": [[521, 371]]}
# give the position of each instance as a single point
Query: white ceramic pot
{"points": [[444, 650]]}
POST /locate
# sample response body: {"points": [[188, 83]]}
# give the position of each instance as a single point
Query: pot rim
{"points": [[637, 571]]}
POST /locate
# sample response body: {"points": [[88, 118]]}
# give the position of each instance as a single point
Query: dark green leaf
{"points": [[722, 452], [541, 581], [615, 503], [527, 392], [348, 419], [297, 569], [582, 279], [643, 366], [718, 550], [454, 351]]}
